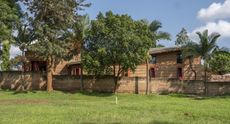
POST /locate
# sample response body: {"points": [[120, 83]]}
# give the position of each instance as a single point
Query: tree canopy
{"points": [[220, 62], [52, 22], [204, 48], [182, 37], [157, 35], [9, 15], [116, 43]]}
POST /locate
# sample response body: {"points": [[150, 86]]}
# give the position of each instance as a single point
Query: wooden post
{"points": [[147, 77], [136, 85], [82, 85]]}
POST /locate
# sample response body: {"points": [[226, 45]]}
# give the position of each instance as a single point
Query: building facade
{"points": [[165, 63]]}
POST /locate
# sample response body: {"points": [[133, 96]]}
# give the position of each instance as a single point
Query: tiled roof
{"points": [[163, 50]]}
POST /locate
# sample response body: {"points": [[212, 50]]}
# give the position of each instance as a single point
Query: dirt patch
{"points": [[23, 101]]}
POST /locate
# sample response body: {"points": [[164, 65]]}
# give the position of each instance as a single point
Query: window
{"points": [[179, 74], [153, 59], [152, 73], [179, 58], [75, 70]]}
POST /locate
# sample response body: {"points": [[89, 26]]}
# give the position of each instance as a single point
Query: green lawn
{"points": [[65, 108]]}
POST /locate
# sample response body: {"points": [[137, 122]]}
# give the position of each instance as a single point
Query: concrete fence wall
{"points": [[37, 81], [14, 80]]}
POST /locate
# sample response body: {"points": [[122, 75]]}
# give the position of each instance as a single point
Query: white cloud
{"points": [[222, 27], [215, 11], [14, 51]]}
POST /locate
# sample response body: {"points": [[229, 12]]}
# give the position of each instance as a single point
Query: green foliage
{"points": [[115, 40], [182, 38], [220, 62], [5, 58], [15, 63], [24, 37], [52, 22], [9, 14], [157, 35], [204, 48]]}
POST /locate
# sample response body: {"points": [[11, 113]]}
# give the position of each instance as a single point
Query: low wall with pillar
{"points": [[37, 81]]}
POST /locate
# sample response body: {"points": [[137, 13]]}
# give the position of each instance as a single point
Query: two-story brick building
{"points": [[165, 63]]}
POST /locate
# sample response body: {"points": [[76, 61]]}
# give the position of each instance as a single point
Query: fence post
{"points": [[136, 85]]}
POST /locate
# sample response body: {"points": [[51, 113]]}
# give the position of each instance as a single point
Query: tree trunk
{"points": [[115, 83], [194, 71], [147, 77], [190, 65], [205, 81], [194, 74], [114, 79], [49, 74], [82, 84]]}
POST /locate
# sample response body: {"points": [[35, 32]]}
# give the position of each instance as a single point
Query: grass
{"points": [[65, 108]]}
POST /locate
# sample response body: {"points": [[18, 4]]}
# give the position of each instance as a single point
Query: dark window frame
{"points": [[75, 70], [152, 73], [153, 59], [180, 73], [179, 58]]}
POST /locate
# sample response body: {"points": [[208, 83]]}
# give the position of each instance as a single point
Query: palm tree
{"points": [[81, 28], [156, 36], [204, 49]]}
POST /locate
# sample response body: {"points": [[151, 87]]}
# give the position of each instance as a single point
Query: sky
{"points": [[193, 15]]}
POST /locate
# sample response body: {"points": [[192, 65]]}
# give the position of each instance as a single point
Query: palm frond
{"points": [[163, 36], [155, 25]]}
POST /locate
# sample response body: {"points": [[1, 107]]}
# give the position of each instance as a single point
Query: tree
{"points": [[16, 63], [9, 15], [204, 49], [5, 65], [186, 43], [182, 38], [52, 23], [115, 44], [81, 27], [190, 56], [24, 39], [219, 63], [156, 35]]}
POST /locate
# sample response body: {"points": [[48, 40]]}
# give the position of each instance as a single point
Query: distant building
{"points": [[165, 63]]}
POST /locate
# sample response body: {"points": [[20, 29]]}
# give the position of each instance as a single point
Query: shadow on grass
{"points": [[162, 122], [97, 94], [13, 92], [23, 92], [199, 97]]}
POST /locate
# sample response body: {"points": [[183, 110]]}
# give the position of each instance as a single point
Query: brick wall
{"points": [[166, 67], [14, 80], [37, 81]]}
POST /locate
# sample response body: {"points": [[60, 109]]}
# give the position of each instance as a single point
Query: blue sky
{"points": [[194, 15], [174, 14]]}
